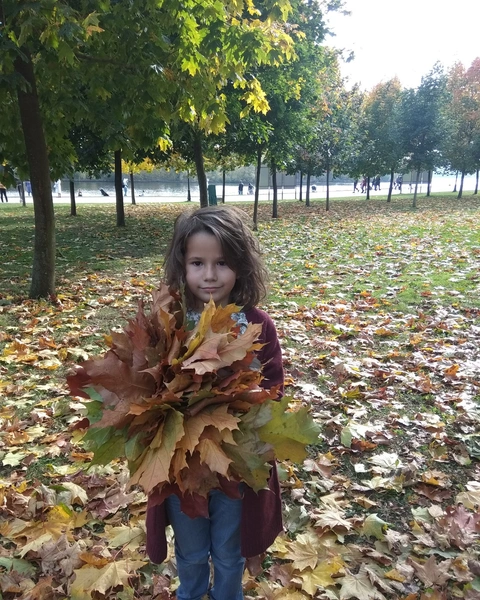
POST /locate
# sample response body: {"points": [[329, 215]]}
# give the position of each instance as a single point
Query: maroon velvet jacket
{"points": [[262, 511]]}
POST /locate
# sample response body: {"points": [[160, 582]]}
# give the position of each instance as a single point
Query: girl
{"points": [[214, 255]]}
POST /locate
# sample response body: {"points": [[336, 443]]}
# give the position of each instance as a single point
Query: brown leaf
{"points": [[431, 573]]}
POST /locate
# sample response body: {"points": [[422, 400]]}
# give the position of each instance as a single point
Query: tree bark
{"points": [[189, 195], [275, 190], [257, 189], [414, 203], [201, 176], [476, 182], [456, 178], [301, 186], [307, 190], [132, 187], [390, 187], [119, 189], [462, 178], [327, 202], [368, 188], [43, 268], [73, 204], [223, 186], [429, 182]]}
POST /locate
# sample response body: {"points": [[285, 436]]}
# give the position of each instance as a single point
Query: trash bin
{"points": [[212, 195]]}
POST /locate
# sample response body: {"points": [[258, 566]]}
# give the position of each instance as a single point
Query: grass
{"points": [[377, 307]]}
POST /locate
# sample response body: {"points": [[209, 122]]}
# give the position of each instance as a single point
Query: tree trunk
{"points": [[390, 187], [201, 176], [257, 189], [429, 184], [476, 182], [307, 191], [368, 188], [414, 203], [460, 191], [43, 268], [301, 186], [327, 202], [456, 178], [189, 195], [119, 189], [21, 192], [275, 190], [73, 204], [223, 186], [132, 187]]}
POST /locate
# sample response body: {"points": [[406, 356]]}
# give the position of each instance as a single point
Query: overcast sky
{"points": [[405, 38]]}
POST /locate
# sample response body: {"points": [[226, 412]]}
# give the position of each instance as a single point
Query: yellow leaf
{"points": [[321, 576], [90, 579], [194, 426], [155, 466], [123, 535], [394, 575], [303, 551], [212, 455]]}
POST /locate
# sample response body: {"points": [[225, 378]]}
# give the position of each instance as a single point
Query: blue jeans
{"points": [[218, 538]]}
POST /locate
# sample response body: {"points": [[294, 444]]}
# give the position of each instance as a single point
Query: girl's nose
{"points": [[210, 273]]}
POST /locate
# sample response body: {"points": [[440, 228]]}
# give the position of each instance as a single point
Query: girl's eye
{"points": [[196, 263], [222, 263]]}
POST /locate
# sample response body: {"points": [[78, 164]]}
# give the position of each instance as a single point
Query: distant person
{"points": [[355, 186], [80, 193], [399, 183], [250, 188], [314, 188], [240, 189], [57, 188], [103, 192], [3, 192], [28, 187], [363, 185], [125, 186]]}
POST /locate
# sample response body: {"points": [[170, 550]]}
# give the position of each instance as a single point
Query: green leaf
{"points": [[113, 448], [19, 565], [374, 526], [289, 432]]}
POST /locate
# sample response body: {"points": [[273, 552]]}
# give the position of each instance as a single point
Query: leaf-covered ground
{"points": [[378, 311]]}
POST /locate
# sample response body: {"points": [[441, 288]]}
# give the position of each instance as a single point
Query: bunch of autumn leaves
{"points": [[184, 405]]}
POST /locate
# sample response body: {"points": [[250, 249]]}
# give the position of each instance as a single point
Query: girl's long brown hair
{"points": [[241, 252]]}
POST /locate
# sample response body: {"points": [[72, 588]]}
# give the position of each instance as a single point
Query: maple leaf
{"points": [[89, 579], [304, 551], [194, 426], [331, 519], [374, 526], [470, 498], [359, 586], [124, 535], [289, 432], [155, 465], [431, 573], [321, 576]]}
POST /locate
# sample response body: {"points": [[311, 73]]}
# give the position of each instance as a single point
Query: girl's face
{"points": [[206, 272]]}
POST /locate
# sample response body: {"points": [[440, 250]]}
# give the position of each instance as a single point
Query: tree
{"points": [[123, 82], [462, 118], [383, 117], [422, 124], [30, 31]]}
